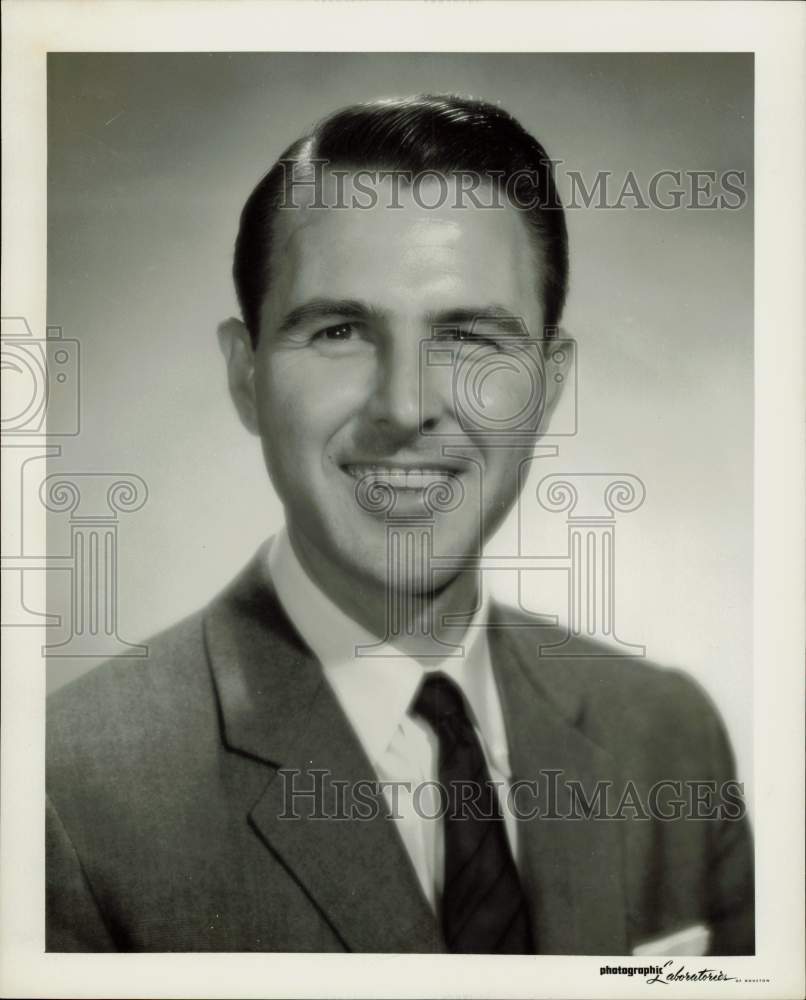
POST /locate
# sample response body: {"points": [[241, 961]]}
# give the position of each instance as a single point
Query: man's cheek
{"points": [[296, 434], [512, 395]]}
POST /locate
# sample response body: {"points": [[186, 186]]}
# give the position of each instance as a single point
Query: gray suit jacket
{"points": [[165, 805]]}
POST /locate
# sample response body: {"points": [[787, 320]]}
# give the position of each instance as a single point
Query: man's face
{"points": [[342, 399]]}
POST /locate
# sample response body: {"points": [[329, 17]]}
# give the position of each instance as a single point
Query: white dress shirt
{"points": [[376, 694]]}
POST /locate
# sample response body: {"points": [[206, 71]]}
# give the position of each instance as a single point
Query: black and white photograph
{"points": [[381, 508]]}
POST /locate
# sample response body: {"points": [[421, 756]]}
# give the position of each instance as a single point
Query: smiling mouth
{"points": [[401, 477]]}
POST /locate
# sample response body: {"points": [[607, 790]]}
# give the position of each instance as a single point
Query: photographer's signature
{"points": [[684, 975]]}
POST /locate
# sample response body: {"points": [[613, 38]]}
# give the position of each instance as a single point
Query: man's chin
{"points": [[409, 560], [391, 576]]}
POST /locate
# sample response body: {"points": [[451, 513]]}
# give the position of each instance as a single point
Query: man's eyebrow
{"points": [[324, 308], [501, 316]]}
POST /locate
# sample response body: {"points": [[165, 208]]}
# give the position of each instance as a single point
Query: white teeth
{"points": [[399, 478]]}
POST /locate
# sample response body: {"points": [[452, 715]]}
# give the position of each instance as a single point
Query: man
{"points": [[351, 748]]}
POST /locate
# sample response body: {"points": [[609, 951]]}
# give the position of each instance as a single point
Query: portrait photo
{"points": [[392, 418], [460, 412]]}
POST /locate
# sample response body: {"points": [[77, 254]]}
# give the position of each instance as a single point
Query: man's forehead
{"points": [[382, 213]]}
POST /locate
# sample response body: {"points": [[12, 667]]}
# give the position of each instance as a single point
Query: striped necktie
{"points": [[483, 908]]}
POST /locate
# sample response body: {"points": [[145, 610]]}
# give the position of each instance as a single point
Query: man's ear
{"points": [[236, 346], [559, 357]]}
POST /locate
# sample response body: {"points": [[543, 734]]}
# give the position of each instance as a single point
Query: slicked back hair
{"points": [[428, 133]]}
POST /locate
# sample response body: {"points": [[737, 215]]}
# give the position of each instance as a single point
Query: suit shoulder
{"points": [[641, 683], [123, 697], [167, 650], [596, 666], [614, 697], [636, 707]]}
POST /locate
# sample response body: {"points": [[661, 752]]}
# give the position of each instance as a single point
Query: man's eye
{"points": [[463, 336], [339, 332]]}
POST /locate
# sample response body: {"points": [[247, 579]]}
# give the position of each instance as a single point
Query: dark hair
{"points": [[438, 133]]}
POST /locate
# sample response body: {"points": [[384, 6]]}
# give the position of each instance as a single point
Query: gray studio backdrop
{"points": [[150, 157]]}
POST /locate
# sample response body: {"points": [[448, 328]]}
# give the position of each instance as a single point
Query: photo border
{"points": [[773, 32]]}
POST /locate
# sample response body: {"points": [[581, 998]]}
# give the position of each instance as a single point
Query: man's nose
{"points": [[406, 399]]}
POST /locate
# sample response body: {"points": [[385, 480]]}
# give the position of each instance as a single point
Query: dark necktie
{"points": [[483, 908]]}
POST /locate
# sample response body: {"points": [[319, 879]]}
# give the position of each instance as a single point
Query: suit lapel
{"points": [[277, 708], [357, 870], [572, 868]]}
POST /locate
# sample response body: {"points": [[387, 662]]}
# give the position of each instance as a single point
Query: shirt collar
{"points": [[374, 683]]}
